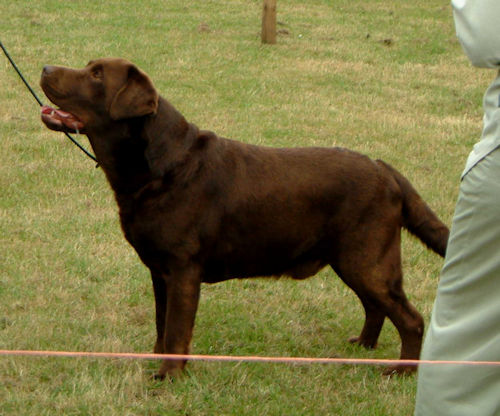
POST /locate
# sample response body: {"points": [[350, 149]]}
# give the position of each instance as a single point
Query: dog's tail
{"points": [[418, 218]]}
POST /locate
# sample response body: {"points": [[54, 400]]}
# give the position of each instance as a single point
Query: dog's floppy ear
{"points": [[137, 97]]}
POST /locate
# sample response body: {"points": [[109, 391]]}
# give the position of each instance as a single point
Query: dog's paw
{"points": [[399, 370], [368, 344]]}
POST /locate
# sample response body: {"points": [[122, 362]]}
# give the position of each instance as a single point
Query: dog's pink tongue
{"points": [[62, 117]]}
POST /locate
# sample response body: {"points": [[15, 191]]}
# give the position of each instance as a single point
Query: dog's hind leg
{"points": [[374, 320], [409, 324], [377, 280], [393, 301]]}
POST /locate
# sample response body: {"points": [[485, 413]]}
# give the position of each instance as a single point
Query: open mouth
{"points": [[59, 120]]}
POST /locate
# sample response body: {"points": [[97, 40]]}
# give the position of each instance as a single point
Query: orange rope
{"points": [[239, 358]]}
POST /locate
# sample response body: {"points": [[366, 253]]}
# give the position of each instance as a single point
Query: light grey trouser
{"points": [[465, 322]]}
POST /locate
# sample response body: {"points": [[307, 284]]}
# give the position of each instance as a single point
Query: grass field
{"points": [[386, 78]]}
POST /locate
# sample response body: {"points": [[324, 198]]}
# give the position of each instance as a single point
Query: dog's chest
{"points": [[156, 228]]}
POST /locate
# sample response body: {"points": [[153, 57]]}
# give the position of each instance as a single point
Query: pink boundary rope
{"points": [[239, 358]]}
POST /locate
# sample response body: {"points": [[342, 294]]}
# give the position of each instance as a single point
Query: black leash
{"points": [[41, 104]]}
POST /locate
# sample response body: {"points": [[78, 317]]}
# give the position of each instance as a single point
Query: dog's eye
{"points": [[96, 73]]}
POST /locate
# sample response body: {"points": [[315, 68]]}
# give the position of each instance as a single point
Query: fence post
{"points": [[269, 22]]}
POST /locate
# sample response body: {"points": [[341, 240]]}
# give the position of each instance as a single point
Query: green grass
{"points": [[386, 78]]}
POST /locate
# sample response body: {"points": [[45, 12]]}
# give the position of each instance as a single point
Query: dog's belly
{"points": [[265, 261]]}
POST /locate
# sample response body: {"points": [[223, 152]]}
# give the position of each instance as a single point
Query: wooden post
{"points": [[269, 22]]}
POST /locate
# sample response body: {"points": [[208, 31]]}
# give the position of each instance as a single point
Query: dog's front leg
{"points": [[183, 292], [160, 292]]}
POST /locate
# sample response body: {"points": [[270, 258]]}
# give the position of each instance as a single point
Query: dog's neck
{"points": [[169, 139], [119, 152], [144, 150]]}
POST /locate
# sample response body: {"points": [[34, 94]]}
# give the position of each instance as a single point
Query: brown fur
{"points": [[200, 208]]}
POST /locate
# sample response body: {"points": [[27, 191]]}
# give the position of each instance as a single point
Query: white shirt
{"points": [[477, 25]]}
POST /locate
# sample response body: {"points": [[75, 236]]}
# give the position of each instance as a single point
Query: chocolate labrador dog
{"points": [[201, 208]]}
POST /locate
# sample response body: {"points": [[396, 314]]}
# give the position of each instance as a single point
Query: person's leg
{"points": [[465, 322]]}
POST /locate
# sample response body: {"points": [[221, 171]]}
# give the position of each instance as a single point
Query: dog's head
{"points": [[105, 91]]}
